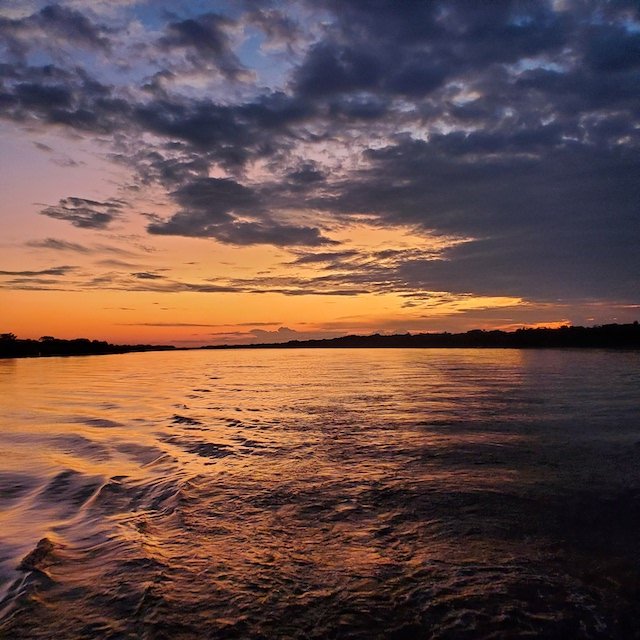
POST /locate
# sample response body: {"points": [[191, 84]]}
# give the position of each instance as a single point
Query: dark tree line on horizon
{"points": [[608, 336], [13, 347], [613, 336]]}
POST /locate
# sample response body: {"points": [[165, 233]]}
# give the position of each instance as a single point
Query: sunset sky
{"points": [[195, 172]]}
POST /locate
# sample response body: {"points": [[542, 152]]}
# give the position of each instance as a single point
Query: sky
{"points": [[199, 172]]}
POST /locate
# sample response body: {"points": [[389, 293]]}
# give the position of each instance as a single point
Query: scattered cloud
{"points": [[86, 214]]}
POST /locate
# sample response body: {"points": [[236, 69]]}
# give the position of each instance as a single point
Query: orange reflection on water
{"points": [[229, 489]]}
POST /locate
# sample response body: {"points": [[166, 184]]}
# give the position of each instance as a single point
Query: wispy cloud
{"points": [[165, 324], [58, 245], [50, 271]]}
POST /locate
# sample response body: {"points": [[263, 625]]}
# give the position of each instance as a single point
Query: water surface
{"points": [[321, 494]]}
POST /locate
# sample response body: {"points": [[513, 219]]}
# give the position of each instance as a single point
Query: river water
{"points": [[321, 494]]}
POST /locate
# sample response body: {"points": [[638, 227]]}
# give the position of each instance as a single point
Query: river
{"points": [[369, 493]]}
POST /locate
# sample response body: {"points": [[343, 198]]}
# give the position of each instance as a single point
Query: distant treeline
{"points": [[609, 336], [13, 347]]}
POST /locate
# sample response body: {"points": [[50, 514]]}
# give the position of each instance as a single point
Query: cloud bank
{"points": [[513, 126]]}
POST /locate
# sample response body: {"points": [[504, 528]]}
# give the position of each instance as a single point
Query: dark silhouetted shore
{"points": [[609, 336], [13, 347]]}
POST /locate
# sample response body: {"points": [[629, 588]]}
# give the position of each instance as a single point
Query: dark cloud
{"points": [[613, 49], [207, 204], [359, 107], [217, 208], [418, 75], [562, 266], [217, 133], [330, 68], [216, 197], [307, 174], [411, 49], [541, 228], [73, 26], [70, 98], [205, 39], [86, 214], [35, 96], [51, 27], [279, 235]]}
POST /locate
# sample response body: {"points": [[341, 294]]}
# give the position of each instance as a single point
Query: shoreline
{"points": [[612, 336]]}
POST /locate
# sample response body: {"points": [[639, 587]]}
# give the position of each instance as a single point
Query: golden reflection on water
{"points": [[228, 489]]}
